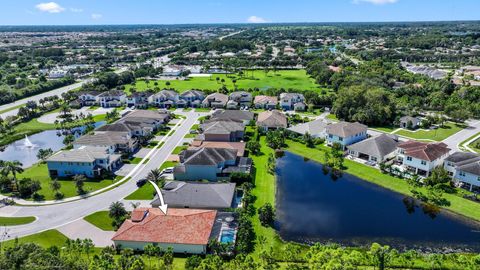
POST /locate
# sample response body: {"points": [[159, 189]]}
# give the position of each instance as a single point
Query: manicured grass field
{"points": [[458, 205], [146, 191], [100, 220], [40, 172], [287, 79], [179, 149], [44, 239], [439, 134], [13, 221]]}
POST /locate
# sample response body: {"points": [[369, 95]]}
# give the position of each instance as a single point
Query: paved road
{"points": [[454, 140], [59, 215], [54, 92]]}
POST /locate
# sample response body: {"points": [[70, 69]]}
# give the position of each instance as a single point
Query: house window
{"points": [[409, 158], [423, 162], [340, 139], [373, 158], [330, 136], [462, 173]]}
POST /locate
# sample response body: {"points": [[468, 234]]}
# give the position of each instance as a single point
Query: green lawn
{"points": [[100, 220], [13, 221], [138, 160], [190, 135], [44, 239], [12, 108], [40, 172], [146, 192], [264, 191], [202, 109], [332, 117], [179, 149], [439, 134], [458, 205], [386, 129], [287, 79]]}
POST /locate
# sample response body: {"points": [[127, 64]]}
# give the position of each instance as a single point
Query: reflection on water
{"points": [[53, 139], [311, 207]]}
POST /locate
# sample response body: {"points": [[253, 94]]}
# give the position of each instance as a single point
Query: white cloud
{"points": [[96, 16], [76, 10], [255, 19], [50, 7], [376, 2]]}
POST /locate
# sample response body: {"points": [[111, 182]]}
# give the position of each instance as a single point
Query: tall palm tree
{"points": [[12, 167], [154, 175]]}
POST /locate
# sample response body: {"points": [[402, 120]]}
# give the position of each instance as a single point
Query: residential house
{"points": [[185, 231], [265, 102], [421, 158], [289, 100], [241, 98], [164, 99], [212, 164], [464, 167], [139, 99], [345, 133], [89, 98], [215, 100], [235, 115], [191, 98], [410, 122], [112, 98], [271, 120], [180, 194], [375, 149], [316, 128], [116, 141], [222, 131], [239, 146], [86, 160]]}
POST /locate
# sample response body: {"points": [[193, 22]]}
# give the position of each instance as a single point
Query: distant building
{"points": [[375, 149], [289, 100], [272, 120], [85, 160], [212, 164], [164, 99], [191, 98], [139, 100], [410, 122], [316, 128], [222, 130], [112, 98], [89, 98], [464, 167], [215, 100], [265, 102], [421, 158], [345, 133], [242, 98], [235, 115]]}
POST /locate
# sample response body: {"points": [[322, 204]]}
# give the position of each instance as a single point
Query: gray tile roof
{"points": [[156, 115], [83, 154], [166, 95], [207, 156], [239, 115], [472, 167], [272, 119], [216, 98], [193, 93], [112, 93], [237, 95], [378, 146], [314, 127], [197, 195], [346, 129], [221, 127], [462, 156], [103, 138]]}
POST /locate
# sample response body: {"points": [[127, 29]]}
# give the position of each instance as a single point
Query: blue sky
{"points": [[63, 12]]}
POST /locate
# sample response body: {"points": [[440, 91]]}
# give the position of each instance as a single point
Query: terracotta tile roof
{"points": [[179, 226], [266, 100], [424, 151]]}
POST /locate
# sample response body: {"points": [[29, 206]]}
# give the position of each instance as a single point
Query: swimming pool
{"points": [[227, 236]]}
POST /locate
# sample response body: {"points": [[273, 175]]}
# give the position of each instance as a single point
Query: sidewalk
{"points": [[121, 181]]}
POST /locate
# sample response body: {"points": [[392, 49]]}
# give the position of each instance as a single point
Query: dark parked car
{"points": [[141, 182]]}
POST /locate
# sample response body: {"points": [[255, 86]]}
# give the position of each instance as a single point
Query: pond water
{"points": [[312, 207], [43, 140]]}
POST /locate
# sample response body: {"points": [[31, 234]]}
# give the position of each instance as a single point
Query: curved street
{"points": [[54, 216]]}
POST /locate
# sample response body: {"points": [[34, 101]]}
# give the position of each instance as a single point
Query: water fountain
{"points": [[27, 143]]}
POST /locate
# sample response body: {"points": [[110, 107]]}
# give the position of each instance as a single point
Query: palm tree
{"points": [[65, 110], [12, 167], [79, 180], [155, 176]]}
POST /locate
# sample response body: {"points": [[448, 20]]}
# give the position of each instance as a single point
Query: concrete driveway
{"points": [[82, 229], [58, 215], [454, 140]]}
